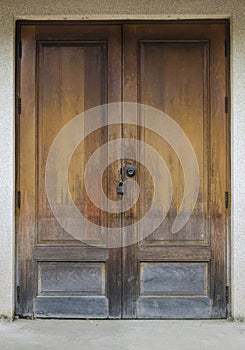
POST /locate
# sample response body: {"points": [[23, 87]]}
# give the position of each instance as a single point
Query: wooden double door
{"points": [[165, 86]]}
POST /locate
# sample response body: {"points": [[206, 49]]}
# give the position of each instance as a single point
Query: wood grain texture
{"points": [[168, 253], [70, 253], [179, 68], [172, 308], [114, 281], [173, 279], [172, 67], [76, 68], [26, 214], [218, 172], [71, 278], [171, 84], [71, 307], [71, 79]]}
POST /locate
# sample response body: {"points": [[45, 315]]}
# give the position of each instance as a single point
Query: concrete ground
{"points": [[121, 335]]}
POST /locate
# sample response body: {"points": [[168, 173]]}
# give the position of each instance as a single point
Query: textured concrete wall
{"points": [[109, 9]]}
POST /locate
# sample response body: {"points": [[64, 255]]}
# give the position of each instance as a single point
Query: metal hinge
{"points": [[19, 105], [226, 199], [19, 199], [227, 294], [226, 48], [227, 300], [18, 294], [226, 104], [20, 49]]}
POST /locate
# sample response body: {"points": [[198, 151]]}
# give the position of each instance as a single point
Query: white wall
{"points": [[109, 9]]}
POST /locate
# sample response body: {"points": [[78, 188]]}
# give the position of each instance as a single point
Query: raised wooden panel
{"points": [[171, 84], [57, 278], [71, 79], [173, 279], [172, 308], [71, 307]]}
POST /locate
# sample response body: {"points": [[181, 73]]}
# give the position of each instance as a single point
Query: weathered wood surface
{"points": [[63, 73], [70, 253], [168, 253], [179, 68], [172, 308], [64, 278], [71, 307], [173, 279]]}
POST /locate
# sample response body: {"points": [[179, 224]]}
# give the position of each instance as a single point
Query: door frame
{"points": [[227, 106]]}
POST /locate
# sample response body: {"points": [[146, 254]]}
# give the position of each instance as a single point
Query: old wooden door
{"points": [[163, 88], [179, 269], [65, 71]]}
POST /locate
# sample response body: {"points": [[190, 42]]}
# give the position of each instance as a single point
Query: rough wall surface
{"points": [[113, 9]]}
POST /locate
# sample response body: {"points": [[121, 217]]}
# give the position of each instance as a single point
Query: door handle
{"points": [[131, 170], [120, 187]]}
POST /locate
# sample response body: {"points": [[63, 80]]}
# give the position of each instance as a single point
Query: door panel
{"points": [[177, 70], [170, 83], [71, 79], [70, 73], [172, 68]]}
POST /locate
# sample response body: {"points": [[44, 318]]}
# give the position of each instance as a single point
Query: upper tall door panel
{"points": [[174, 79], [71, 79]]}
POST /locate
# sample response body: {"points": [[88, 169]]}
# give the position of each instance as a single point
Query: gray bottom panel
{"points": [[159, 307], [71, 307]]}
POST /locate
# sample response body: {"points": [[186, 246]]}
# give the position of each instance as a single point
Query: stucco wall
{"points": [[109, 9]]}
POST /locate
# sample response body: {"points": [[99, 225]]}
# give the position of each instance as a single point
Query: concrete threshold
{"points": [[122, 335]]}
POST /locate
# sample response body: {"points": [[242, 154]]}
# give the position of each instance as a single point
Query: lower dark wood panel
{"points": [[71, 307], [172, 308], [71, 279], [179, 279]]}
